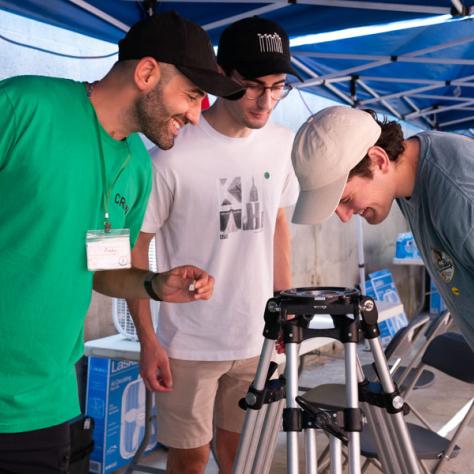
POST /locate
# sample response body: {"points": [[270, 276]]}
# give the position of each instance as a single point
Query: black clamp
{"points": [[329, 421], [352, 420], [253, 400], [293, 331], [272, 317], [292, 419], [373, 394], [369, 316], [273, 391]]}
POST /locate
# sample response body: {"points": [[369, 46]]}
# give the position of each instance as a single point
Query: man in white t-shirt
{"points": [[218, 202]]}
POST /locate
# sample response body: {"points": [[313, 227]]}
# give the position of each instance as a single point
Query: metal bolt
{"points": [[251, 399], [273, 307], [397, 402], [368, 305]]}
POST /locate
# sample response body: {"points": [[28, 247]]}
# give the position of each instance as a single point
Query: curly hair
{"points": [[391, 140]]}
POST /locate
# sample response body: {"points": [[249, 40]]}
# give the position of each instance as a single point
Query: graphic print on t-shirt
{"points": [[240, 206]]}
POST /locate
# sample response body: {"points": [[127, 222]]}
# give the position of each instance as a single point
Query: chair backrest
{"points": [[403, 339], [451, 354], [439, 324], [402, 345]]}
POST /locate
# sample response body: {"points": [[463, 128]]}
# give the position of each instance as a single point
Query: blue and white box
{"points": [[381, 287], [405, 247], [437, 305], [116, 401]]}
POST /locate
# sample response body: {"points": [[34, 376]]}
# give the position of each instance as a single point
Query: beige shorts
{"points": [[202, 390]]}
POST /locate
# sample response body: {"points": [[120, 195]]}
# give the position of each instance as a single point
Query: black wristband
{"points": [[149, 286]]}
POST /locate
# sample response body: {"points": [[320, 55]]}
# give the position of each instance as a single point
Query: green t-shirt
{"points": [[50, 195]]}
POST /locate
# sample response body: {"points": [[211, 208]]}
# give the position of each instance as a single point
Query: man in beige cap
{"points": [[349, 162]]}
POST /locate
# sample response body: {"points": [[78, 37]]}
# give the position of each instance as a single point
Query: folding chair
{"points": [[408, 377], [449, 353], [402, 346], [331, 397]]}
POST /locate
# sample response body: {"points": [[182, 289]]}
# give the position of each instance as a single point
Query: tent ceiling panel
{"points": [[409, 73], [434, 62], [299, 18]]}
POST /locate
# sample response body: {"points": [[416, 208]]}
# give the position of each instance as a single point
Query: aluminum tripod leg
{"points": [[310, 451], [401, 434], [266, 447], [380, 432], [352, 397], [291, 374], [256, 439], [381, 436], [335, 452], [249, 436], [396, 441]]}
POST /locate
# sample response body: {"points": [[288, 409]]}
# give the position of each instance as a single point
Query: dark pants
{"points": [[44, 451]]}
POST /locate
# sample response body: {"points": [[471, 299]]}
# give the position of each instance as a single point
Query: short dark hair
{"points": [[391, 140]]}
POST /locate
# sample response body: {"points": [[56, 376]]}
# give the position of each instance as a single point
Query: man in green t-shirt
{"points": [[75, 179]]}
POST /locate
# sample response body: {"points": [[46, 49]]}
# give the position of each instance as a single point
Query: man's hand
{"points": [[184, 284], [155, 367]]}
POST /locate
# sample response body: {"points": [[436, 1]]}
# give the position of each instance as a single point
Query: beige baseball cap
{"points": [[326, 147]]}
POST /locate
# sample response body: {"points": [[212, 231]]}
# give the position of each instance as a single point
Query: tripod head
{"points": [[337, 302]]}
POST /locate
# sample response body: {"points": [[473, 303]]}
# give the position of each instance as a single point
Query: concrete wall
{"points": [[326, 254], [322, 255]]}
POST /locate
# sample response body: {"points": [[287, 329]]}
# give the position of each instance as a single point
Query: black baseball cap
{"points": [[255, 47], [172, 39]]}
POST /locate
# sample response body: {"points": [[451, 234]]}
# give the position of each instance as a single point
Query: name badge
{"points": [[108, 250]]}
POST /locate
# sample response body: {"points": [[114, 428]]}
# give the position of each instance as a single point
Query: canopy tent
{"points": [[107, 20], [424, 75]]}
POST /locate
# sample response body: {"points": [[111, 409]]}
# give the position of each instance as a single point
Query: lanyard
{"points": [[107, 190]]}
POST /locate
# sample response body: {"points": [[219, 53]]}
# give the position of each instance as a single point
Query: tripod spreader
{"points": [[314, 417]]}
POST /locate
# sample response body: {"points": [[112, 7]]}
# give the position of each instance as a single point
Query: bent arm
{"points": [[171, 286]]}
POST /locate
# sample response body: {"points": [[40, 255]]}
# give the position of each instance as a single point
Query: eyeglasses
{"points": [[277, 92]]}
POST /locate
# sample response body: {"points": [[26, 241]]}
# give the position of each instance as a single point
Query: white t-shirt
{"points": [[214, 205]]}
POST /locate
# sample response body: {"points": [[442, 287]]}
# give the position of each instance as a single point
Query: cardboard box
{"points": [[381, 287], [405, 247], [116, 402]]}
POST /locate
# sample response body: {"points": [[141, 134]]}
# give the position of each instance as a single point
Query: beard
{"points": [[154, 118]]}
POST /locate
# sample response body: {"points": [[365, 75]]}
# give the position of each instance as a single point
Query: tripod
{"points": [[266, 398]]}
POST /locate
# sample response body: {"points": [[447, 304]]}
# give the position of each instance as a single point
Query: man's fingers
{"points": [[151, 382], [156, 383], [204, 285], [202, 296], [165, 375]]}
